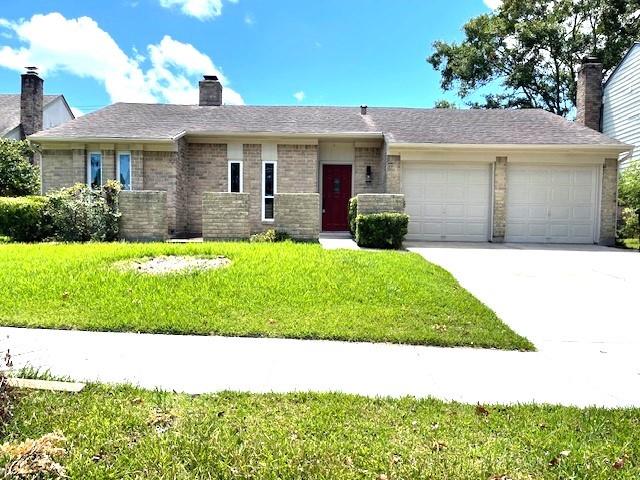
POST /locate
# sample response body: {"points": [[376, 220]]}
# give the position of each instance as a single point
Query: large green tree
{"points": [[534, 48], [18, 176]]}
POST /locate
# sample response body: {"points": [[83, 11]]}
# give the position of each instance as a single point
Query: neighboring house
{"points": [[621, 103], [31, 111], [466, 175]]}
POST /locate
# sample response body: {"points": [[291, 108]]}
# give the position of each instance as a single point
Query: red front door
{"points": [[336, 191]]}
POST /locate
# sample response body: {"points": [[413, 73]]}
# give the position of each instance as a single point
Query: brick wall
{"points": [[392, 174], [589, 95], [108, 165], [144, 215], [160, 175], [363, 157], [297, 168], [205, 171], [609, 202], [225, 216], [298, 214], [380, 202], [62, 168], [137, 169], [499, 200]]}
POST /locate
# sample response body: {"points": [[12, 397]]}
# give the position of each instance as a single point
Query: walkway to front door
{"points": [[336, 191]]}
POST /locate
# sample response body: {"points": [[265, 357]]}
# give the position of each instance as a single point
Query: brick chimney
{"points": [[210, 91], [31, 96], [589, 101]]}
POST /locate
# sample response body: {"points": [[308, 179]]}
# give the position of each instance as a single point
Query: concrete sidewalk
{"points": [[198, 364]]}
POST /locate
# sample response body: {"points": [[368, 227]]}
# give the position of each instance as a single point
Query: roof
{"points": [[615, 70], [10, 110], [163, 122]]}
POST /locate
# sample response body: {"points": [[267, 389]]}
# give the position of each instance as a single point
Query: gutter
{"points": [[616, 148]]}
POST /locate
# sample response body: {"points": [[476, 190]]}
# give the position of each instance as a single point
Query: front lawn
{"points": [[125, 433], [275, 290]]}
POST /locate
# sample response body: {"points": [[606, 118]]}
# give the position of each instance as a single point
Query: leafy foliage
{"points": [[445, 104], [23, 218], [629, 198], [381, 230], [534, 48], [80, 214], [18, 177], [270, 236], [353, 213]]}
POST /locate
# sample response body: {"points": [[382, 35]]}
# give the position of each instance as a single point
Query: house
{"points": [[31, 111], [621, 103], [223, 171]]}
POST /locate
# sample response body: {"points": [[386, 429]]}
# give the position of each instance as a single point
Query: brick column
{"points": [[79, 162], [499, 199], [609, 202], [392, 174], [137, 171]]}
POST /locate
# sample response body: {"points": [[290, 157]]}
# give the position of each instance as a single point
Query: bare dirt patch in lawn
{"points": [[167, 264]]}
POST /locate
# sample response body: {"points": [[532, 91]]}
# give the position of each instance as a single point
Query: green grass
{"points": [[275, 290], [111, 434]]}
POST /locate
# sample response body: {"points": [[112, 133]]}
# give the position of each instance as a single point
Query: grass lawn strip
{"points": [[272, 290], [122, 432]]}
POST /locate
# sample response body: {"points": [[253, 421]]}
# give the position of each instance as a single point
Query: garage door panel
{"points": [[556, 205], [455, 205]]}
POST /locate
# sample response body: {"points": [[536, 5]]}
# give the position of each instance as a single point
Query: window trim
{"points": [[124, 152], [89, 154], [229, 175], [275, 189]]}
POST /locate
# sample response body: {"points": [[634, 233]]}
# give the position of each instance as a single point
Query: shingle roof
{"points": [[10, 110], [398, 125]]}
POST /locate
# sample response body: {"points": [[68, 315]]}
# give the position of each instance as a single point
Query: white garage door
{"points": [[551, 204], [447, 202]]}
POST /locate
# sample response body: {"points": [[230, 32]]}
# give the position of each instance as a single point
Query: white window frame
{"points": [[229, 175], [124, 152], [89, 167], [275, 189]]}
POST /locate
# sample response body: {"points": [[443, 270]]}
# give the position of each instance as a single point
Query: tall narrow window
{"points": [[94, 170], [124, 170], [235, 177], [268, 190]]}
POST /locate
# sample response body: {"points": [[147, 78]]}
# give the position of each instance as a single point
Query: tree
{"points": [[18, 177], [444, 104], [534, 48]]}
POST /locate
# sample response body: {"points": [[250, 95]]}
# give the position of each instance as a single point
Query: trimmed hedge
{"points": [[270, 236], [381, 230], [353, 213], [23, 219]]}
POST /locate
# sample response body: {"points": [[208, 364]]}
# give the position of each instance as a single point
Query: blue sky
{"points": [[338, 52]]}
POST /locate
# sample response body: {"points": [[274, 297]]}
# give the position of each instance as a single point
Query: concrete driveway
{"points": [[559, 297]]}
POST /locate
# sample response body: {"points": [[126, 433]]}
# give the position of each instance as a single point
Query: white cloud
{"points": [[299, 96], [493, 4], [249, 20], [201, 9], [80, 47]]}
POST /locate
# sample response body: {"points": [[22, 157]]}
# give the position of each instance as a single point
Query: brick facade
{"points": [[298, 214], [609, 202], [144, 215], [392, 174], [589, 94], [225, 216], [364, 157], [62, 168], [380, 203], [499, 200], [160, 174]]}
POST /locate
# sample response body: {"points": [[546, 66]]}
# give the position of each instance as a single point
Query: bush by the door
{"points": [[381, 230], [353, 213], [23, 218]]}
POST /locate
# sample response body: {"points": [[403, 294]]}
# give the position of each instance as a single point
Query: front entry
{"points": [[336, 192]]}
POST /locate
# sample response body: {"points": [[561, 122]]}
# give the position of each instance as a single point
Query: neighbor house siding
{"points": [[621, 102]]}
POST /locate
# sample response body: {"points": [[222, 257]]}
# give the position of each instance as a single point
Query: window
{"points": [[124, 170], [94, 170], [235, 177], [269, 181]]}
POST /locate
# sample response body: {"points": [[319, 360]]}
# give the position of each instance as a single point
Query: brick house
{"points": [[222, 171]]}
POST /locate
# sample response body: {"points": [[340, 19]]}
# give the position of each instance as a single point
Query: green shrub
{"points": [[270, 236], [629, 224], [23, 219], [629, 186], [18, 177], [80, 214], [381, 230], [353, 213]]}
